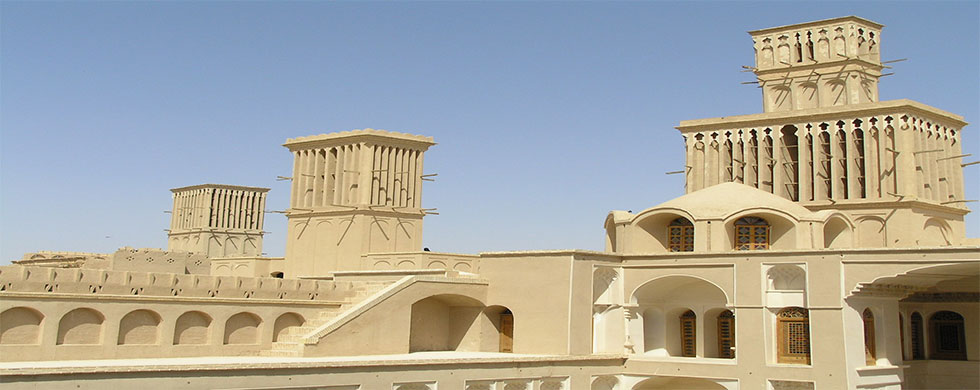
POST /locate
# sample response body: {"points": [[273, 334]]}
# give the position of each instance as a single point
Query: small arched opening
{"points": [[502, 320], [445, 323]]}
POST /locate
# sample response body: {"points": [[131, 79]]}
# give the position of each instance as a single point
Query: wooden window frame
{"points": [[506, 332], [870, 353], [689, 334], [787, 319], [680, 235], [726, 335], [756, 232]]}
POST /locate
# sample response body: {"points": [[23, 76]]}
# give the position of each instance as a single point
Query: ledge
{"points": [[275, 363]]}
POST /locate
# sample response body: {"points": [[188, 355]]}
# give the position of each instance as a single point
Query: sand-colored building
{"points": [[820, 245]]}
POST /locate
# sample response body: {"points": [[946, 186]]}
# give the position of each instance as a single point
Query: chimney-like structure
{"points": [[217, 220], [353, 193]]}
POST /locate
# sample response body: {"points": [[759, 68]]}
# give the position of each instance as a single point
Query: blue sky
{"points": [[547, 114]]}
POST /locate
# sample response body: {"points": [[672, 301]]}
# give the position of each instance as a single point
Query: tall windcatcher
{"points": [[353, 193], [827, 141], [217, 220]]}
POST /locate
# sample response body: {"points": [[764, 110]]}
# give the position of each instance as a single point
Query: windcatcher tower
{"points": [[353, 193], [826, 141], [217, 220]]}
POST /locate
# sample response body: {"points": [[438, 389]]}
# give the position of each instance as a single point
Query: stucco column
{"points": [[905, 160], [630, 312]]}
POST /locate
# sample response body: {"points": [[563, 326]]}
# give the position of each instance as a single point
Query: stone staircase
{"points": [[290, 343]]}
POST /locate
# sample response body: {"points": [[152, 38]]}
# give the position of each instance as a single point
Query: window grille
{"points": [[915, 328], [948, 341], [794, 336]]}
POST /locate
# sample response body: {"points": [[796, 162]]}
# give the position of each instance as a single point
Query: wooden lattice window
{"points": [[689, 334], [794, 336], [915, 328], [726, 335], [870, 354], [751, 233], [680, 235], [948, 341]]}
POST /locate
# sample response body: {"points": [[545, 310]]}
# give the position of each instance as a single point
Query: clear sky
{"points": [[548, 114]]}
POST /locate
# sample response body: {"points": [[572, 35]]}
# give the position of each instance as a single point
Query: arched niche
{"points": [[786, 277], [785, 285], [678, 383], [446, 322], [837, 233], [653, 233], [871, 232], [605, 382], [661, 304], [935, 232], [80, 326], [242, 328], [20, 326], [139, 327], [284, 322], [605, 289], [192, 328]]}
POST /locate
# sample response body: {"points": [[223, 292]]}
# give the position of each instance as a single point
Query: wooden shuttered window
{"points": [[870, 354], [726, 335], [794, 336], [688, 334], [751, 233], [680, 235], [915, 328]]}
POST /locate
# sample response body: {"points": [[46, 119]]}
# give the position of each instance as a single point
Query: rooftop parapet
{"points": [[821, 42]]}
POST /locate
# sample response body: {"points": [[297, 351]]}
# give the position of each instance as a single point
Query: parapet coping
{"points": [[166, 298], [817, 23], [815, 114], [360, 133], [419, 253], [733, 253], [197, 364], [220, 186]]}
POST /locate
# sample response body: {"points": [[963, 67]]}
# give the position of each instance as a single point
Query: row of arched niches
{"points": [[87, 326]]}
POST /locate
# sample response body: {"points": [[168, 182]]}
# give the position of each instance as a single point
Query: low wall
{"points": [[421, 260], [77, 314]]}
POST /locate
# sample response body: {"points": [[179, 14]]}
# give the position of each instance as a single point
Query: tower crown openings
{"points": [[353, 193], [218, 220], [818, 64]]}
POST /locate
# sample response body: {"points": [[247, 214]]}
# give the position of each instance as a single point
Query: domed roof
{"points": [[722, 200]]}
